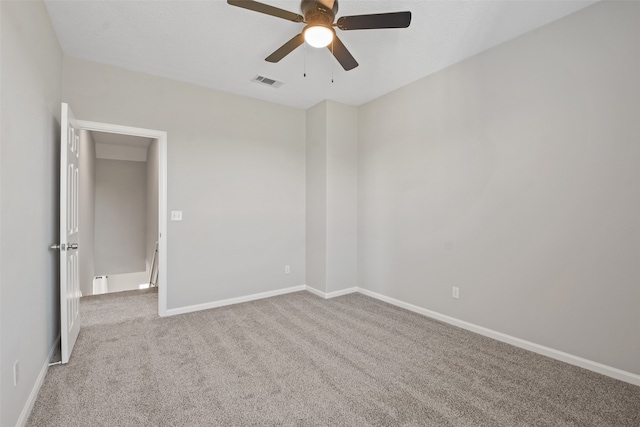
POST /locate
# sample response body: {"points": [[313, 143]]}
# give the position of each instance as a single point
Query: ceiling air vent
{"points": [[267, 81]]}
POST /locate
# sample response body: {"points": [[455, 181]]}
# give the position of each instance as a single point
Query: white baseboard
{"points": [[517, 342], [231, 301], [31, 400], [315, 291], [328, 295]]}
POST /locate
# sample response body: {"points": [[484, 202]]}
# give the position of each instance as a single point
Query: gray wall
{"points": [[30, 73], [120, 216], [515, 176], [332, 164], [236, 168], [152, 202], [87, 211], [316, 200], [342, 196]]}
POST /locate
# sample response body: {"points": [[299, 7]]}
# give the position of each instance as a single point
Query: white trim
{"points": [[517, 342], [231, 301], [162, 282], [33, 396], [329, 295], [315, 291], [161, 136], [341, 292], [123, 130]]}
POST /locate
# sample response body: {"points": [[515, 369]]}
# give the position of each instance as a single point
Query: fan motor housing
{"points": [[316, 13]]}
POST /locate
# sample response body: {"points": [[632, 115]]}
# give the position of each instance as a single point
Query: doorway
{"points": [[129, 186], [118, 211]]}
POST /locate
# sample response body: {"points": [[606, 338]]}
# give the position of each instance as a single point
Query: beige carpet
{"points": [[300, 360]]}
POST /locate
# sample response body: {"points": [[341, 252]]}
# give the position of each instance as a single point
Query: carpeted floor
{"points": [[300, 360]]}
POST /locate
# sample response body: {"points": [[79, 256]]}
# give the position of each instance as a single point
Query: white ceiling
{"points": [[120, 139], [115, 146], [212, 44]]}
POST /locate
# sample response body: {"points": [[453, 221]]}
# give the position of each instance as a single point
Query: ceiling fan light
{"points": [[318, 36]]}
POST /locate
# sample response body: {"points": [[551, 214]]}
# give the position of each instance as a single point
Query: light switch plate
{"points": [[176, 215]]}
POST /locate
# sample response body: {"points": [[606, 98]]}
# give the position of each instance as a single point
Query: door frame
{"points": [[161, 136]]}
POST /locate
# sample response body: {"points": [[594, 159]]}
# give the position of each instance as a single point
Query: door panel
{"points": [[69, 266]]}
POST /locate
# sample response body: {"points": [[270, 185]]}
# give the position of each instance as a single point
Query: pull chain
{"points": [[332, 62], [305, 61]]}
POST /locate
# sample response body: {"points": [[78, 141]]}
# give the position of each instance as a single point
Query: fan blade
{"points": [[375, 21], [286, 49], [341, 53], [266, 9]]}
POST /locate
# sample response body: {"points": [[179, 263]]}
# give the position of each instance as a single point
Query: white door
{"points": [[69, 267]]}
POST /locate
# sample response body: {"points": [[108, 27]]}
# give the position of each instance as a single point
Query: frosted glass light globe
{"points": [[318, 36]]}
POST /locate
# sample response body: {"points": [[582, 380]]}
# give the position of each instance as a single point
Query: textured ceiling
{"points": [[212, 44]]}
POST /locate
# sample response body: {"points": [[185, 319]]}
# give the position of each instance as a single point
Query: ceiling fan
{"points": [[319, 15]]}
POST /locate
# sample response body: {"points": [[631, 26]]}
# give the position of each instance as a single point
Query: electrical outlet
{"points": [[455, 292], [16, 372], [287, 269]]}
